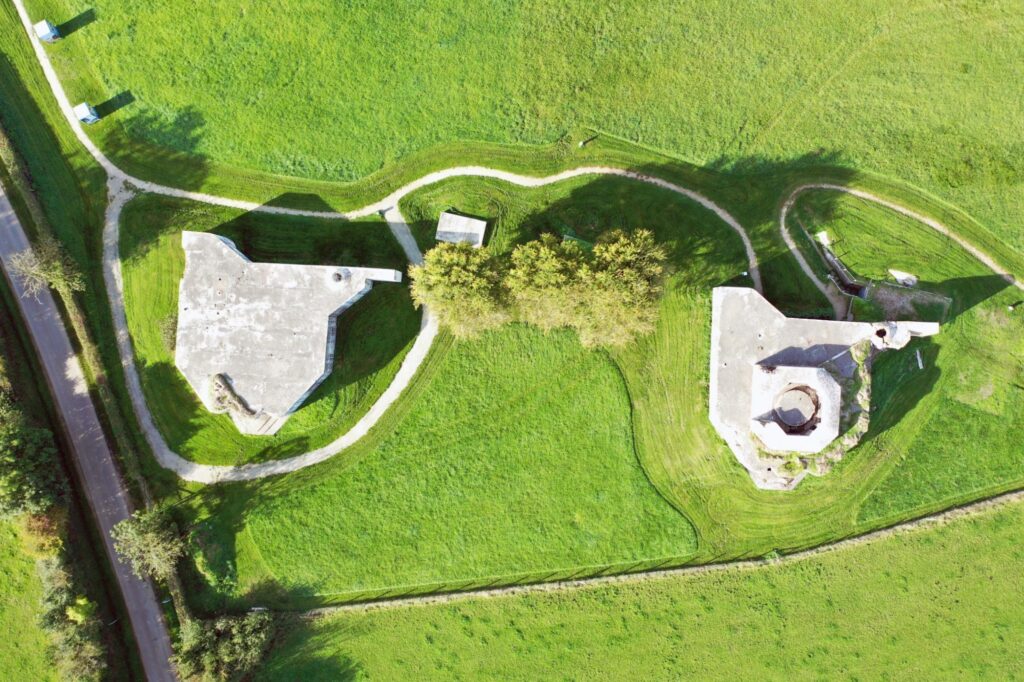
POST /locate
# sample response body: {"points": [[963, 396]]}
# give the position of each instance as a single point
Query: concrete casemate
{"points": [[776, 381], [255, 339]]}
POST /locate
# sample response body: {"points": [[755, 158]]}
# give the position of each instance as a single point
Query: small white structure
{"points": [[904, 278], [777, 382], [255, 339], [455, 228], [46, 31], [85, 113]]}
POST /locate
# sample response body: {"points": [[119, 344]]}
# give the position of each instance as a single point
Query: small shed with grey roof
{"points": [[455, 228]]}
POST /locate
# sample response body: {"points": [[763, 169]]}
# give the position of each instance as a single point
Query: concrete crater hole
{"points": [[796, 407]]}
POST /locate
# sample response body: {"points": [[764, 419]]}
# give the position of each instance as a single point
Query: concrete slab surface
{"points": [[255, 339]]}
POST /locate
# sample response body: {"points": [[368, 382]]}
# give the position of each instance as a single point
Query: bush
{"points": [[544, 282], [620, 287], [150, 543], [462, 287], [223, 649], [47, 265]]}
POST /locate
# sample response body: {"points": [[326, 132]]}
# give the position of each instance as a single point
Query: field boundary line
{"points": [[920, 523]]}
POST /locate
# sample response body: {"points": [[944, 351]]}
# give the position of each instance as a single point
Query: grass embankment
{"points": [[373, 336], [515, 463], [916, 91], [970, 403], [932, 604]]}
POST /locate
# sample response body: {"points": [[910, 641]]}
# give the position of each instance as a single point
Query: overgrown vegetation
{"points": [[72, 621], [607, 295], [31, 481], [34, 513], [47, 266]]}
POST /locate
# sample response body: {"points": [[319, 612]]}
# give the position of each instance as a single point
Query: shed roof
{"points": [[455, 228]]}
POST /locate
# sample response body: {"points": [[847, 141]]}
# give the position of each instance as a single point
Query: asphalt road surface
{"points": [[93, 459]]}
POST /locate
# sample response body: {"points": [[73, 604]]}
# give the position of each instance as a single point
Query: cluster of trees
{"points": [[150, 542], [608, 294], [229, 647]]}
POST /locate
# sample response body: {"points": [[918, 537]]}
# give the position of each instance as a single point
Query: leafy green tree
{"points": [[462, 287], [227, 648], [150, 543], [47, 265], [30, 474], [544, 281], [619, 289]]}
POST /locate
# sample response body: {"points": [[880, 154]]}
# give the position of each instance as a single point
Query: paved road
{"points": [[100, 480]]}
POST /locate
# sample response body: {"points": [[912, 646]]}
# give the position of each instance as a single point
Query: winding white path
{"points": [[122, 186], [830, 292]]}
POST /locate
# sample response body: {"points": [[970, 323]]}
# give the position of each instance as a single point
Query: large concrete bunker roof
{"points": [[255, 339], [774, 378]]}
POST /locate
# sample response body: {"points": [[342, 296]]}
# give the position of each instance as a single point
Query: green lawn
{"points": [[419, 505], [229, 95], [516, 461], [934, 604], [966, 424], [373, 336], [23, 644]]}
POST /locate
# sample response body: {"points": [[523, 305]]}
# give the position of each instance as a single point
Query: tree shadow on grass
{"points": [[302, 652], [172, 403]]}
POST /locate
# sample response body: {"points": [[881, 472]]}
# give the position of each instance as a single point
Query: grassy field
{"points": [[23, 644], [814, 97], [966, 440], [393, 513], [203, 95], [373, 336], [933, 604], [517, 459]]}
